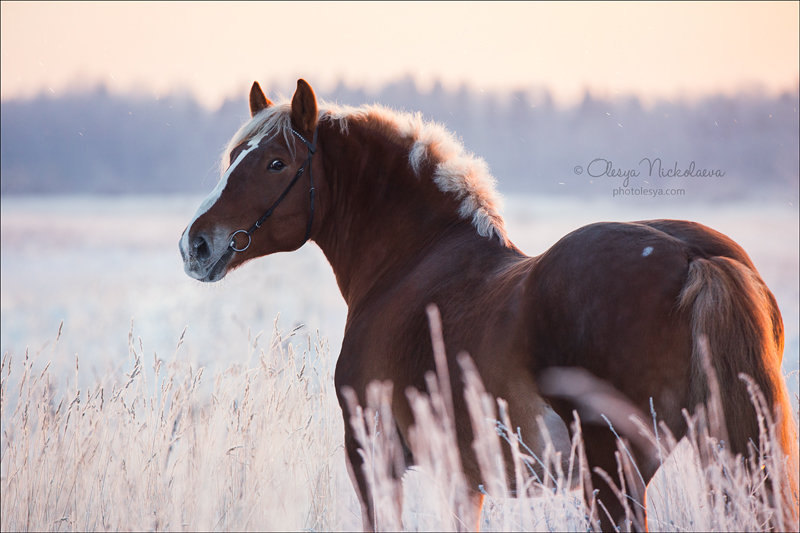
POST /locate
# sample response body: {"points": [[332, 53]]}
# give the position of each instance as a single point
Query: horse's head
{"points": [[262, 202]]}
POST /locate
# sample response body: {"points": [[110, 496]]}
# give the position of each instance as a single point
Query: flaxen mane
{"points": [[456, 171]]}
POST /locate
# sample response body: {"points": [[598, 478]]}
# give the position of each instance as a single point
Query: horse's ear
{"points": [[304, 109], [258, 100]]}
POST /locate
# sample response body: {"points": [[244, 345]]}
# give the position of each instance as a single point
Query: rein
{"points": [[312, 147]]}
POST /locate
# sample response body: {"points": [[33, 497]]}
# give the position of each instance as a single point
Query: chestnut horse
{"points": [[407, 218]]}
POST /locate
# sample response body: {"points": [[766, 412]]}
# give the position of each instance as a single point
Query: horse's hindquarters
{"points": [[632, 304], [604, 298]]}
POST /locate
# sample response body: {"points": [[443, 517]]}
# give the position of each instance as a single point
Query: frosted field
{"points": [[98, 263], [109, 267]]}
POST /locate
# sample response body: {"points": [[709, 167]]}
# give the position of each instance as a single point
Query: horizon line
{"points": [[540, 91]]}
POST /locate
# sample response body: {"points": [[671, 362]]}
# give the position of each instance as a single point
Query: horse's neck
{"points": [[379, 218]]}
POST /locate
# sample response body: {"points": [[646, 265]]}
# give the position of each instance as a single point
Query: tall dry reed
{"points": [[258, 446], [257, 449]]}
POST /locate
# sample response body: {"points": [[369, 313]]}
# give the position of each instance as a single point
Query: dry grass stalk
{"points": [[259, 447]]}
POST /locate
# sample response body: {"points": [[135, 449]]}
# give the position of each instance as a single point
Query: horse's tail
{"points": [[736, 325]]}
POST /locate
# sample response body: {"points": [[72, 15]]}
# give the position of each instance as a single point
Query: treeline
{"points": [[723, 147]]}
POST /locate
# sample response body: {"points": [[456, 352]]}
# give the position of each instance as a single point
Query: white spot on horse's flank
{"points": [[647, 251]]}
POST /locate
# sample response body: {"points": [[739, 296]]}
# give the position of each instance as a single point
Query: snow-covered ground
{"points": [[98, 263]]}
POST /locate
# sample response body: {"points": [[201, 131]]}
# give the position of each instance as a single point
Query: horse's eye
{"points": [[277, 165]]}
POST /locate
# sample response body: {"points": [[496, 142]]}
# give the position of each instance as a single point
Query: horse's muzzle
{"points": [[199, 260]]}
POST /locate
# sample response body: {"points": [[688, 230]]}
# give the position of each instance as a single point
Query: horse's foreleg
{"points": [[361, 482], [355, 467]]}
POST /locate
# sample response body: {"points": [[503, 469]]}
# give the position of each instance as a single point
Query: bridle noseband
{"points": [[312, 147]]}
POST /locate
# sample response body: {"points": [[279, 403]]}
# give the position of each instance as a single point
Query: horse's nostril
{"points": [[201, 249]]}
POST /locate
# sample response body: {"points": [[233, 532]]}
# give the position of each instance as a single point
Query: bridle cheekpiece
{"points": [[312, 147]]}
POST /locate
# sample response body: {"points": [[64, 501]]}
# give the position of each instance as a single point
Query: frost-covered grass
{"points": [[113, 427], [262, 450]]}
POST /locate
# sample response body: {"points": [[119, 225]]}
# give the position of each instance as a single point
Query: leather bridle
{"points": [[312, 146]]}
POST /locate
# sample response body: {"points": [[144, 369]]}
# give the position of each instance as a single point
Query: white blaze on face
{"points": [[212, 198]]}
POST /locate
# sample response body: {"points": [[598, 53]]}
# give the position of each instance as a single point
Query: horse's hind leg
{"points": [[601, 446], [599, 405], [476, 502]]}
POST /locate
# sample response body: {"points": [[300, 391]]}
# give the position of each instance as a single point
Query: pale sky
{"points": [[216, 49]]}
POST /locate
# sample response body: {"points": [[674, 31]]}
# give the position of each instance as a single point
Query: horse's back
{"points": [[700, 240]]}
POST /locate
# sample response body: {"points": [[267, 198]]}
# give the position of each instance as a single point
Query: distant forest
{"points": [[717, 148]]}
